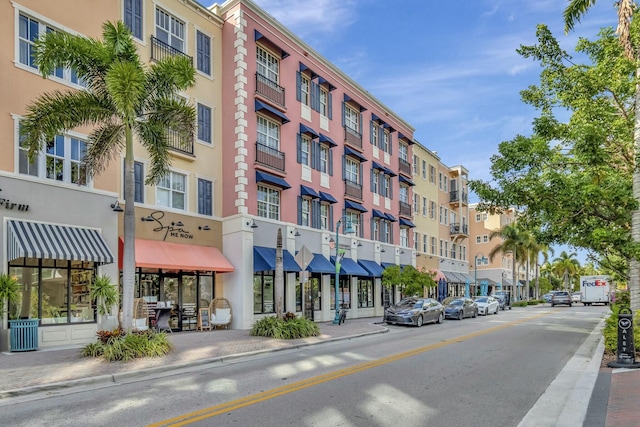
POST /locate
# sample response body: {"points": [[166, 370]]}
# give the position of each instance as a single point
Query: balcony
{"points": [[458, 229], [456, 196], [269, 89], [176, 143], [352, 189], [352, 137], [404, 167], [269, 157], [160, 50], [405, 209]]}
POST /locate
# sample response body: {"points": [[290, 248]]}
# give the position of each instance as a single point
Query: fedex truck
{"points": [[595, 289]]}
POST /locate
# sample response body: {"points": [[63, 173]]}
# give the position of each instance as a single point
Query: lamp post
{"points": [[348, 228], [475, 268]]}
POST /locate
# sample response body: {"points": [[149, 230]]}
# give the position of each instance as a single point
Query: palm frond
{"points": [[172, 74], [106, 142], [575, 11], [118, 40], [126, 82], [153, 137]]}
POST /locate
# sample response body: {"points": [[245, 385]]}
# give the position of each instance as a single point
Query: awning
{"points": [[38, 240], [326, 139], [349, 267], [451, 278], [308, 191], [374, 269], [437, 275], [376, 165], [406, 181], [351, 152], [377, 214], [466, 277], [261, 106], [264, 259], [322, 80], [326, 197], [387, 264], [390, 172], [308, 131], [486, 281], [506, 282], [319, 264], [348, 204], [390, 217], [178, 256], [258, 35], [347, 98], [407, 223], [271, 179]]}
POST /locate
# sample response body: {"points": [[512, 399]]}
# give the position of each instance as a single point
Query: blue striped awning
{"points": [[262, 106], [349, 267], [49, 241], [326, 197], [264, 259]]}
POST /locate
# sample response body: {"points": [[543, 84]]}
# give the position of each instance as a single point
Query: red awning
{"points": [[176, 256], [437, 275]]}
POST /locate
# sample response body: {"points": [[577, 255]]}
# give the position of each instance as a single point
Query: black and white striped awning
{"points": [[48, 241]]}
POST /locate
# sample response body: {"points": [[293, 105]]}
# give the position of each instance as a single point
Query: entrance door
{"points": [[311, 301], [170, 295], [189, 302]]}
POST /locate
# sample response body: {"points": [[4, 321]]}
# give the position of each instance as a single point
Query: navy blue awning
{"points": [[322, 80], [407, 223], [377, 214], [258, 35], [349, 267], [390, 217], [351, 152], [319, 264], [326, 197], [264, 259], [271, 179], [387, 264], [374, 269], [390, 172], [308, 131], [261, 106], [308, 191], [376, 165], [348, 204], [406, 180], [325, 138], [347, 98]]}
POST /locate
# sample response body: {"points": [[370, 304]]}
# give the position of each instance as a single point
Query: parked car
{"points": [[576, 297], [487, 305], [460, 308], [547, 297], [561, 297], [504, 299], [415, 311]]}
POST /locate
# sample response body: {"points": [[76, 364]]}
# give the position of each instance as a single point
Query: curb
{"points": [[121, 376]]}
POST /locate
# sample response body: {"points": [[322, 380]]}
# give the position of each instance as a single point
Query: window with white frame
{"points": [[204, 123], [441, 248], [268, 133], [432, 210], [375, 181], [440, 176], [205, 197], [446, 248], [352, 170], [424, 169], [434, 244], [305, 147], [324, 102], [403, 194], [351, 118], [323, 165], [415, 165], [463, 253], [441, 216], [387, 186], [354, 218], [169, 30], [386, 230], [268, 65], [416, 203], [425, 244], [485, 239], [376, 229], [375, 130], [432, 174], [425, 206], [478, 239], [454, 248], [404, 237], [171, 191], [305, 97], [445, 184], [386, 141], [324, 216], [305, 212], [268, 202], [203, 53], [403, 151], [481, 217], [416, 240], [133, 17]]}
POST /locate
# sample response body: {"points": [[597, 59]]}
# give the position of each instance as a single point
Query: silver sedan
{"points": [[415, 311]]}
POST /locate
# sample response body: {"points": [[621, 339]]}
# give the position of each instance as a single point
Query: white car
{"points": [[576, 297], [487, 305]]}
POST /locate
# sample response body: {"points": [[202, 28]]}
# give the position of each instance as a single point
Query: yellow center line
{"points": [[222, 408]]}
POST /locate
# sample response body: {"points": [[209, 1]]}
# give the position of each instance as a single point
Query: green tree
{"points": [[567, 267], [514, 240], [409, 280], [629, 41], [123, 98]]}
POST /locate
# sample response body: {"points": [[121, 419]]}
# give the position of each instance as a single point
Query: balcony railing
{"points": [[352, 137], [270, 157], [269, 89], [457, 228], [404, 167], [353, 189], [456, 196], [160, 50], [405, 209], [176, 143]]}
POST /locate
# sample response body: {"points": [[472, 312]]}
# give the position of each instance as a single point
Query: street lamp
{"points": [[475, 268], [348, 228]]}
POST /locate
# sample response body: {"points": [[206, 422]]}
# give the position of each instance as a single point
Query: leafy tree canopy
{"points": [[410, 281]]}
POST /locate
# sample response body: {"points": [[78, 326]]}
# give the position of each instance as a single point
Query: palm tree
{"points": [[123, 98], [567, 267], [543, 250], [513, 240], [626, 11]]}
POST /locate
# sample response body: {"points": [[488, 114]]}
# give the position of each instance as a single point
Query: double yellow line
{"points": [[233, 405]]}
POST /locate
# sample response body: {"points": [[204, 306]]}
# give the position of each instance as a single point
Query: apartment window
{"points": [[268, 133], [415, 165], [203, 53], [375, 232], [416, 202], [404, 237], [446, 216], [453, 250], [386, 229], [440, 176], [268, 202], [25, 166], [416, 240], [305, 212], [354, 218], [432, 210], [445, 184], [432, 174], [386, 141], [375, 180], [478, 239], [171, 191], [434, 243], [375, 129], [463, 253], [481, 217], [387, 187], [442, 248], [424, 169], [403, 151], [133, 17], [138, 182], [352, 170], [169, 30], [268, 65], [204, 123], [305, 96], [324, 216], [425, 206], [351, 118], [425, 243], [441, 216], [446, 248], [205, 199], [404, 194], [485, 239], [323, 164], [324, 102], [305, 146]]}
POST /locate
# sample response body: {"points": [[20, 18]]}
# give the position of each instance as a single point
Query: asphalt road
{"points": [[486, 371]]}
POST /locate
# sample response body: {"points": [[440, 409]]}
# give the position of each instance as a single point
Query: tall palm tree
{"points": [[626, 12], [513, 240], [567, 267], [543, 250], [123, 98]]}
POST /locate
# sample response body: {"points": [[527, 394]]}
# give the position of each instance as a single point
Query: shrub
{"points": [[519, 304], [118, 345], [610, 330], [533, 302], [298, 327]]}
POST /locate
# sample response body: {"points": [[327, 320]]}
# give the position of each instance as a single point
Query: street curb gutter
{"points": [[563, 402], [122, 376]]}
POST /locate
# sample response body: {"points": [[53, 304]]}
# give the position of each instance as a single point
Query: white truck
{"points": [[595, 289]]}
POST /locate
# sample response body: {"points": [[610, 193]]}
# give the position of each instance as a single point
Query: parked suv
{"points": [[561, 297]]}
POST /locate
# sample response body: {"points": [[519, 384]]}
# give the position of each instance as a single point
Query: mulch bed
{"points": [[611, 356]]}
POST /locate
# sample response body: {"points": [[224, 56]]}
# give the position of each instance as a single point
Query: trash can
{"points": [[23, 334]]}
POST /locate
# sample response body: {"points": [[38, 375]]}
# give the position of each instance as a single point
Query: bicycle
{"points": [[343, 316]]}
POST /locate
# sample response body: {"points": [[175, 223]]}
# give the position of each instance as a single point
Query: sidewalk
{"points": [[49, 369]]}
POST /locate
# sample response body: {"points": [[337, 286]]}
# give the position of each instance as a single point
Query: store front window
{"points": [[344, 292]]}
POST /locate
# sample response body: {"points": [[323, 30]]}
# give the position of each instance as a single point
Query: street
{"points": [[485, 371]]}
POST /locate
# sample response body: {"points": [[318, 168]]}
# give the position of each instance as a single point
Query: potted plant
{"points": [[105, 293], [9, 292]]}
